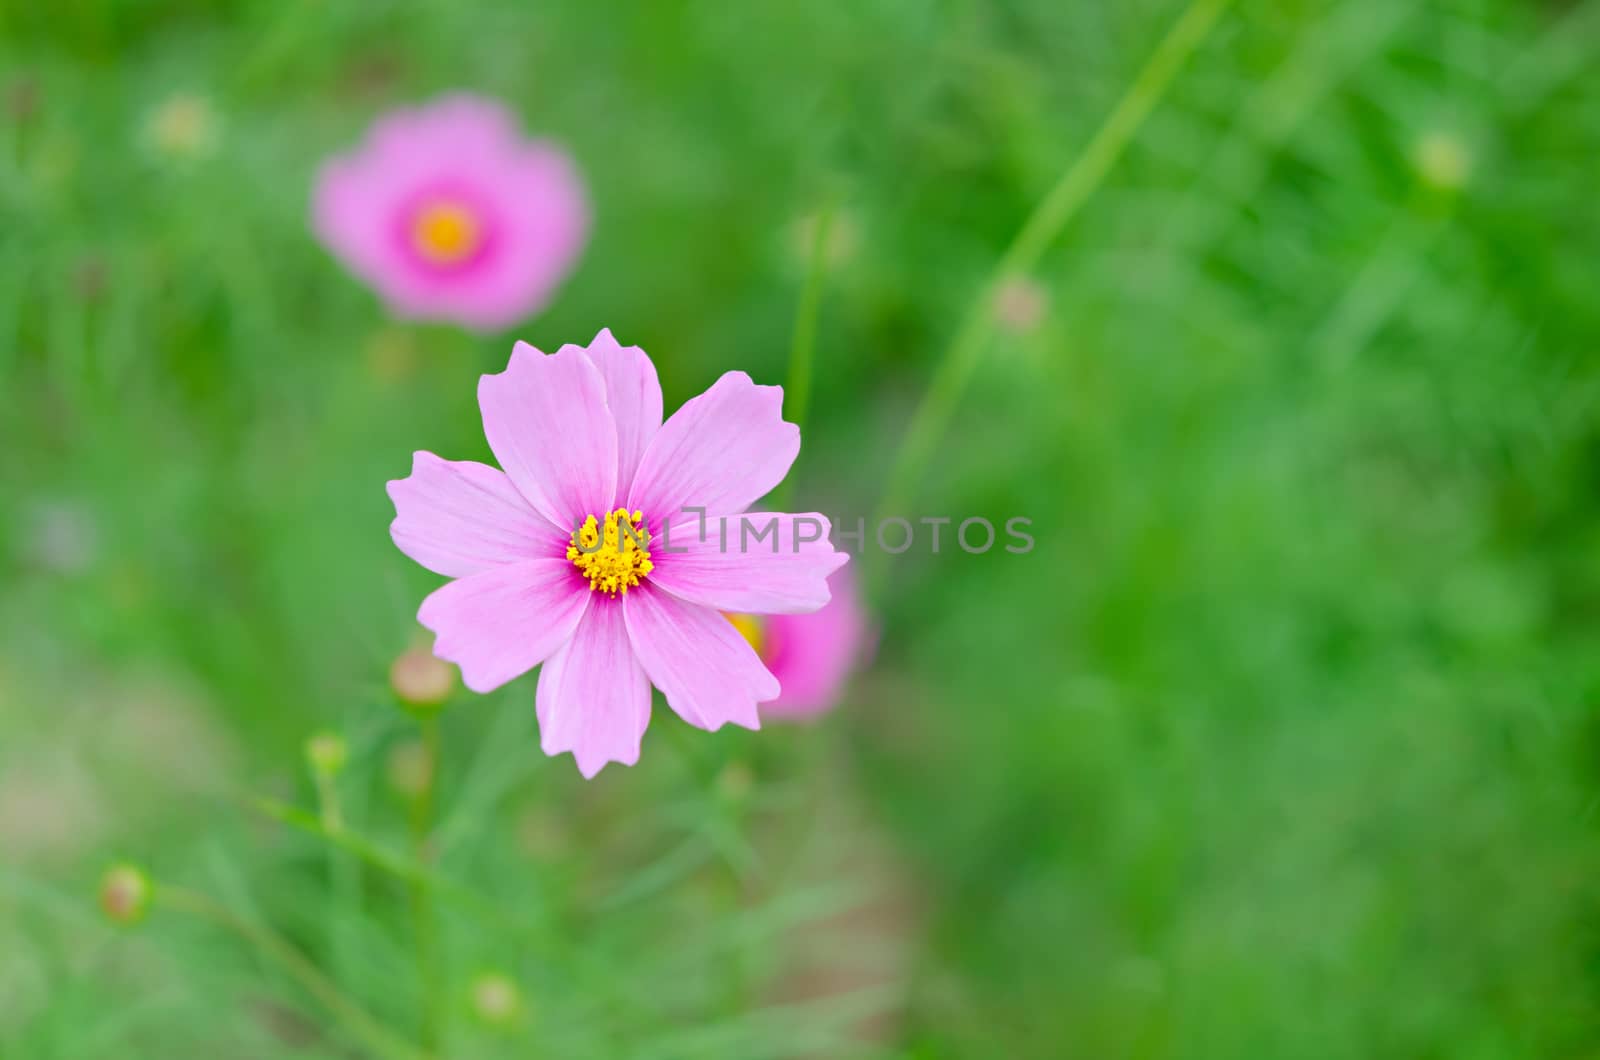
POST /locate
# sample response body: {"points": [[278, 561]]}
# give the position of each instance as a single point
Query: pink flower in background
{"points": [[812, 655], [451, 215], [586, 553]]}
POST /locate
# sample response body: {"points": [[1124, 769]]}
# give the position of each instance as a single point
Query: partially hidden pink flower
{"points": [[450, 214], [812, 655], [611, 544]]}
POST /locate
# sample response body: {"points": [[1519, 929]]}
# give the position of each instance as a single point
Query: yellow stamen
{"points": [[749, 627], [612, 555], [446, 233]]}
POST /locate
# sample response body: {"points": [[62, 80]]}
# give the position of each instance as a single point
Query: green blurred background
{"points": [[1281, 743]]}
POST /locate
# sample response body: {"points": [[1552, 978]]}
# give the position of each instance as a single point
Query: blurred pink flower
{"points": [[451, 215], [812, 655], [587, 553]]}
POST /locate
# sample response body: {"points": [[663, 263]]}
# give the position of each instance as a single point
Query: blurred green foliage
{"points": [[1281, 743]]}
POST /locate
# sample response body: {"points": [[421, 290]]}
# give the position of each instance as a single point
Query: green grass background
{"points": [[1282, 742]]}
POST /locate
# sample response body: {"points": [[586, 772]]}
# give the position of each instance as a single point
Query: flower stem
{"points": [[360, 1024], [407, 870], [424, 917], [328, 810], [343, 873], [803, 341], [1059, 206]]}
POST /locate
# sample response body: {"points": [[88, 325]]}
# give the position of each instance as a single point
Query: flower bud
{"points": [[125, 893], [1442, 161], [183, 128], [496, 1001], [420, 680], [1019, 305], [327, 754]]}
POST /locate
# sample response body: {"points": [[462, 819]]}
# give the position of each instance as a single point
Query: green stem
{"points": [[401, 867], [342, 872], [424, 917], [803, 342], [328, 810], [1074, 188], [360, 1024]]}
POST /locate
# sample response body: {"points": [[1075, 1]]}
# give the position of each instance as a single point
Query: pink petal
{"points": [[722, 451], [759, 562], [503, 622], [460, 127], [547, 421], [459, 517], [708, 672], [813, 655], [594, 698], [353, 209], [634, 394]]}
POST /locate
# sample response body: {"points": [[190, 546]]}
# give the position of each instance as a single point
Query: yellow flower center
{"points": [[446, 233], [612, 554], [749, 627]]}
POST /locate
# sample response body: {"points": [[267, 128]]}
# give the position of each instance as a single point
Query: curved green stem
{"points": [[343, 873], [360, 1024], [422, 904], [1074, 188], [411, 873], [803, 342]]}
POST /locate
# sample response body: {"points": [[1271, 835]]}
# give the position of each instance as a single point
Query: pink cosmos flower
{"points": [[451, 215], [610, 544], [812, 655]]}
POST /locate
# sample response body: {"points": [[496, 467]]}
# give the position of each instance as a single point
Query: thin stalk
{"points": [[360, 1024], [408, 871], [424, 915], [343, 872], [328, 810], [1058, 207], [803, 341]]}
